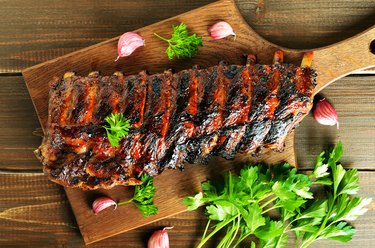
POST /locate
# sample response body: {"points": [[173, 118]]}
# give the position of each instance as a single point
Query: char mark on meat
{"points": [[185, 117]]}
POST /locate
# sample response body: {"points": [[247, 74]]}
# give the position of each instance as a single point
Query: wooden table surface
{"points": [[34, 212]]}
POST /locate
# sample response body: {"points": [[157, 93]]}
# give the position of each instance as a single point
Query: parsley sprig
{"points": [[118, 128], [328, 217], [144, 197], [241, 205], [181, 45]]}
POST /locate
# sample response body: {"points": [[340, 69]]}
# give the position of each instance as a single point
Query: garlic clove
{"points": [[102, 203], [159, 239], [325, 114], [221, 30], [128, 43]]}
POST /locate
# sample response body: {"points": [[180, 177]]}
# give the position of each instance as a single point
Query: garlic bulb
{"points": [[102, 203], [221, 30], [159, 239], [128, 43], [325, 114]]}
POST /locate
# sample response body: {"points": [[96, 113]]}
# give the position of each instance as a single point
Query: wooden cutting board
{"points": [[331, 62]]}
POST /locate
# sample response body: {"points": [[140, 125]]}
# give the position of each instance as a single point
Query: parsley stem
{"points": [[237, 228], [161, 37], [273, 207], [218, 228], [264, 196], [279, 240], [241, 238], [206, 229], [125, 202], [322, 227], [268, 202], [224, 241]]}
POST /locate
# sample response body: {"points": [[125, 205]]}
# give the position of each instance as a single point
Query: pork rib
{"points": [[176, 118]]}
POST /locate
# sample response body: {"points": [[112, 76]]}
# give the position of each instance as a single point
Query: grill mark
{"points": [[197, 102], [103, 107], [55, 99], [176, 132], [114, 100], [192, 107], [213, 117], [258, 126], [128, 92], [80, 88], [273, 85], [239, 102], [90, 102], [67, 102], [158, 121], [261, 92], [292, 108], [209, 110], [184, 119], [138, 100], [182, 81], [168, 103], [230, 142], [237, 112], [218, 101]]}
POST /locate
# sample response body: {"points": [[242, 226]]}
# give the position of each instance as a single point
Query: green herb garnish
{"points": [[118, 128], [240, 205], [327, 218], [144, 197], [181, 45]]}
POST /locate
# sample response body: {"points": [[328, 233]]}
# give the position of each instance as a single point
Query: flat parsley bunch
{"points": [[241, 204]]}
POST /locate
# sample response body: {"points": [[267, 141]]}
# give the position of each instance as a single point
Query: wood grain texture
{"points": [[331, 63], [17, 122], [100, 57], [354, 100], [37, 31], [307, 24], [172, 185], [34, 212]]}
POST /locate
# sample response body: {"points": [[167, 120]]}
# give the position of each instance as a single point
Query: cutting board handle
{"points": [[331, 62], [340, 59]]}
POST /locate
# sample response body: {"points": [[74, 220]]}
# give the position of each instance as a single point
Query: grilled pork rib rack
{"points": [[185, 117]]}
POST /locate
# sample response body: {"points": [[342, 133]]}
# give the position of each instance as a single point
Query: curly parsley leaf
{"points": [[181, 44], [118, 128], [143, 197]]}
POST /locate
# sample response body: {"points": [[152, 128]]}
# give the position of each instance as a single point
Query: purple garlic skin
{"points": [[325, 114]]}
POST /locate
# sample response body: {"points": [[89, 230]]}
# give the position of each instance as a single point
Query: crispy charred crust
{"points": [[176, 118]]}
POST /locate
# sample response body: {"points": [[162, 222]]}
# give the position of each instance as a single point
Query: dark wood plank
{"points": [[17, 122], [307, 24], [353, 56], [331, 62], [354, 100], [36, 31], [35, 213]]}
